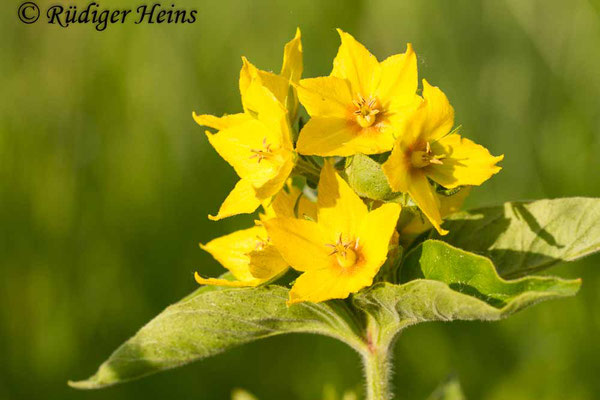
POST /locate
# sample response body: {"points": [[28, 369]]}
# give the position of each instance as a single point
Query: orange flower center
{"points": [[422, 158], [366, 111], [345, 253]]}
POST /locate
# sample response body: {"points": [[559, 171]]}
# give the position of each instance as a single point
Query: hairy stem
{"points": [[377, 363], [378, 374]]}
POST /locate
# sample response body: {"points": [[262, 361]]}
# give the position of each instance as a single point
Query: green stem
{"points": [[307, 169], [377, 363], [378, 374]]}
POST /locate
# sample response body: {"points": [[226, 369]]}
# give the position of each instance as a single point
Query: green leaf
{"points": [[444, 283], [524, 237], [211, 321], [449, 390]]}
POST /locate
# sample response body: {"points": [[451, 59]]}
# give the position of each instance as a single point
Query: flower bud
{"points": [[367, 179]]}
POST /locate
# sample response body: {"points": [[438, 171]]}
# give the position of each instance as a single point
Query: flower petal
{"points": [[292, 67], [241, 200], [284, 203], [225, 282], [220, 123], [267, 263], [307, 208], [275, 184], [375, 233], [397, 168], [356, 64], [238, 145], [448, 205], [288, 203], [276, 84], [300, 242], [262, 102], [464, 162], [340, 210], [423, 195], [325, 136], [326, 97], [440, 114], [327, 283], [231, 250], [371, 140], [398, 84]]}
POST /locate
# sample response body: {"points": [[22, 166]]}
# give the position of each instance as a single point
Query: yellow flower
{"points": [[234, 252], [356, 108], [258, 142], [424, 150], [343, 250], [248, 254], [258, 146]]}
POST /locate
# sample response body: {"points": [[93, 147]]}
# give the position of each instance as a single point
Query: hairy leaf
{"points": [[211, 321], [523, 237], [443, 283]]}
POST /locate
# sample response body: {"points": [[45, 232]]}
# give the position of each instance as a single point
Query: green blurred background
{"points": [[106, 182]]}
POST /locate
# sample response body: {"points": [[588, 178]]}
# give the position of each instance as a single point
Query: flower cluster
{"points": [[313, 219]]}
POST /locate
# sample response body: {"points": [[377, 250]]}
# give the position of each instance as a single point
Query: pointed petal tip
{"points": [[441, 231], [214, 217], [246, 63], [198, 278], [426, 84], [343, 34], [293, 300], [198, 118]]}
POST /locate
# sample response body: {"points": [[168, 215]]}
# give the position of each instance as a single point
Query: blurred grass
{"points": [[105, 184]]}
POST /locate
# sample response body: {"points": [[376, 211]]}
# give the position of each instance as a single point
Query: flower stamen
{"points": [[261, 243], [261, 154], [423, 158], [366, 111], [345, 252]]}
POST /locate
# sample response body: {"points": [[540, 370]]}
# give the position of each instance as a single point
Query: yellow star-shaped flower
{"points": [[425, 149], [355, 109], [249, 254], [235, 251], [258, 142], [343, 250], [258, 146]]}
